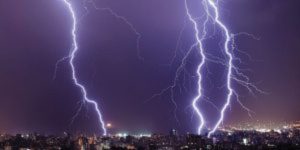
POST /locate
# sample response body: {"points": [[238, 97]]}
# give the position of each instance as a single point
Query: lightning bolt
{"points": [[198, 44], [71, 57], [227, 47], [114, 14], [200, 66], [233, 72], [213, 5]]}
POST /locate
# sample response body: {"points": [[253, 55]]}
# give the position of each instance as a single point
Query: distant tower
{"points": [[173, 139], [173, 132]]}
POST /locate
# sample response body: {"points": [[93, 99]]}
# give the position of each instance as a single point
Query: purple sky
{"points": [[34, 34]]}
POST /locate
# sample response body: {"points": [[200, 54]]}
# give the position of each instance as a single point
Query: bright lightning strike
{"points": [[198, 44], [233, 72], [200, 66], [72, 56], [227, 47], [213, 5], [117, 16]]}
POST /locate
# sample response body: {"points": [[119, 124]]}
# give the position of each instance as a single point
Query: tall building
{"points": [[173, 133]]}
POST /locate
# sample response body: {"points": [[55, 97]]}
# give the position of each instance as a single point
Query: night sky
{"points": [[34, 34]]}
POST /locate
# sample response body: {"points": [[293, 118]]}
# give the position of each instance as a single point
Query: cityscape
{"points": [[149, 75], [287, 137]]}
